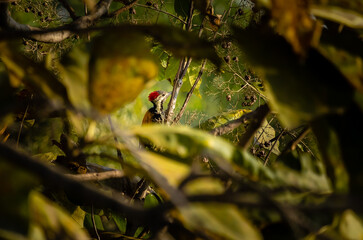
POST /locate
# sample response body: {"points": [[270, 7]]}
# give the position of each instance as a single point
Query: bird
{"points": [[156, 113]]}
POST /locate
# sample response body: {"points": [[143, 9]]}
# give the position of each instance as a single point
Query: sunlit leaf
{"points": [[204, 186], [348, 225], [219, 120], [266, 133], [52, 220], [219, 221], [182, 144], [348, 17], [120, 66], [299, 90], [172, 171]]}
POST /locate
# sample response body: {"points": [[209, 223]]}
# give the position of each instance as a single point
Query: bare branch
{"points": [[97, 176], [229, 126], [254, 125], [272, 147], [180, 114]]}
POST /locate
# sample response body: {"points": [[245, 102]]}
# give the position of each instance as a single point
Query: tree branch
{"points": [[83, 192], [69, 9], [229, 126], [97, 176], [254, 125], [178, 81], [59, 34], [180, 114]]}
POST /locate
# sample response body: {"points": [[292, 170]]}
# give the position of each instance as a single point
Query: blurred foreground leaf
{"points": [[119, 67], [73, 70], [218, 221], [293, 21], [348, 17], [183, 144], [299, 90], [14, 191], [48, 221], [34, 75]]}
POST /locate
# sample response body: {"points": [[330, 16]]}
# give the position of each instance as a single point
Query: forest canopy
{"points": [[181, 119]]}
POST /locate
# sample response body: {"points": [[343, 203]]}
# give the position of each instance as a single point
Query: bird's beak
{"points": [[169, 93]]}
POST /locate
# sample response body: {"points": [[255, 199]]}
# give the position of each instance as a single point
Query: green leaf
{"points": [[330, 147], [150, 201], [121, 222], [88, 223], [219, 221], [299, 90], [51, 220], [182, 144]]}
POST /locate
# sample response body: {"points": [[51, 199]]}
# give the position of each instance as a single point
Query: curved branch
{"points": [[229, 126], [9, 24]]}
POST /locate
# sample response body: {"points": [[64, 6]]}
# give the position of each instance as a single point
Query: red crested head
{"points": [[153, 96]]}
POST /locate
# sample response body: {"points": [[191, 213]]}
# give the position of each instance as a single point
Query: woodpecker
{"points": [[156, 113]]}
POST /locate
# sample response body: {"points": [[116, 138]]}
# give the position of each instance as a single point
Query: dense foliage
{"points": [[261, 136]]}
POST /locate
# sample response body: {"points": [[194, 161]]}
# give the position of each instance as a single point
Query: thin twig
{"points": [[301, 136], [94, 222], [22, 121], [247, 83], [159, 10], [119, 154], [123, 9]]}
